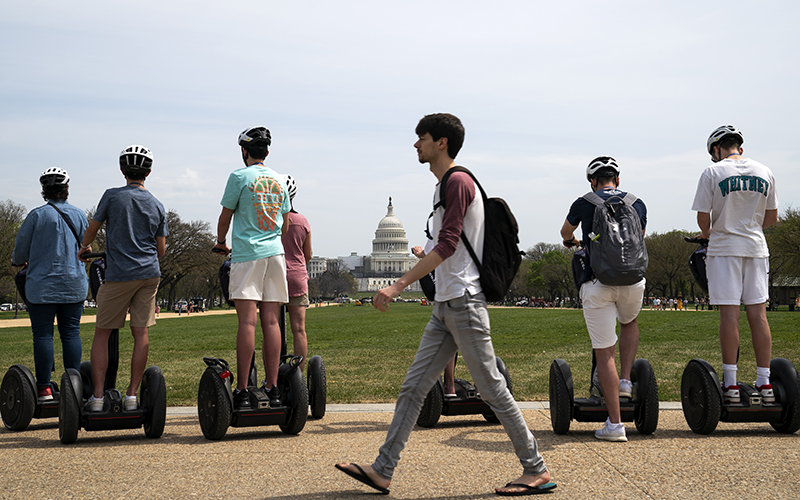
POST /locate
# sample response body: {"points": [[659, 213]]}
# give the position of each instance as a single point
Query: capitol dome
{"points": [[390, 253]]}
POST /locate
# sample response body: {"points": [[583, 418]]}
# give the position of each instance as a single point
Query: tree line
{"points": [[189, 268]]}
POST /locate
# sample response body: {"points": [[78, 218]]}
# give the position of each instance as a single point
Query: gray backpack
{"points": [[617, 252]]}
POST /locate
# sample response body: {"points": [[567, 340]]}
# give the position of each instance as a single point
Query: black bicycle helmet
{"points": [[54, 177], [255, 136], [601, 162], [721, 132], [136, 158]]}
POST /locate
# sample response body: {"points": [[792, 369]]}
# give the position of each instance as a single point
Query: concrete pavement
{"points": [[461, 458]]}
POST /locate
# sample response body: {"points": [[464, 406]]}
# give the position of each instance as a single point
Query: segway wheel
{"points": [[560, 397], [295, 392], [491, 417], [645, 412], [213, 406], [700, 400], [69, 410], [784, 377], [317, 387], [153, 394], [18, 400], [432, 406]]}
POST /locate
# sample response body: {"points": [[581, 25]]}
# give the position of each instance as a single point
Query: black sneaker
{"points": [[241, 399], [274, 397]]}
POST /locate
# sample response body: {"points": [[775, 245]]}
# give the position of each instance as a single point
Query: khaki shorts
{"points": [[262, 280], [115, 298], [300, 300], [603, 305]]}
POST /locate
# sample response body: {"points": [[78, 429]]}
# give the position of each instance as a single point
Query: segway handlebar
{"points": [[699, 241], [94, 255]]}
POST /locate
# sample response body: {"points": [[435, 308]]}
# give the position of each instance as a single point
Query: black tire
{"points": [[700, 399], [213, 406], [295, 393], [18, 400], [153, 394], [491, 417], [317, 387], [432, 406], [785, 378], [645, 410], [69, 410], [560, 398]]}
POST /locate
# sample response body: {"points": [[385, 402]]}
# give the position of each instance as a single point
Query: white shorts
{"points": [[262, 280], [603, 305], [737, 280]]}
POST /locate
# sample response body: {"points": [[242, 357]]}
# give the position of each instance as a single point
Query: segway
{"points": [[701, 390], [77, 387], [19, 403], [467, 400], [641, 408]]}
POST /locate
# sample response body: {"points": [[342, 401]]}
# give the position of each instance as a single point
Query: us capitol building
{"points": [[390, 258]]}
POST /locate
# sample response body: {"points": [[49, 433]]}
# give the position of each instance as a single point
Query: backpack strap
{"points": [[443, 203], [594, 199], [69, 223]]}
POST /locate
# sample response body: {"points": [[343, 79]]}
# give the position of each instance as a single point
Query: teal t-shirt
{"points": [[258, 198]]}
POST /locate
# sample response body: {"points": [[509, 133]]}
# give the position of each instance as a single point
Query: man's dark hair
{"points": [[443, 125], [730, 141], [136, 174], [606, 173], [256, 152], [56, 193]]}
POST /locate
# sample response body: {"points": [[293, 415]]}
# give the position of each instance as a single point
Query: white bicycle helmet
{"points": [[720, 132], [601, 162], [291, 187], [255, 136], [136, 158], [53, 177]]}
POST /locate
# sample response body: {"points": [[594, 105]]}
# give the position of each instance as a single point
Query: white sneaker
{"points": [[625, 388], [606, 433], [129, 403], [95, 404]]}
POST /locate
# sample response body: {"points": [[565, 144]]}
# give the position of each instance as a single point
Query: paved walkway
{"points": [[461, 458]]}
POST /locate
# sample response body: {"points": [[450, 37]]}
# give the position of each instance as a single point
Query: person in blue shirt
{"points": [[56, 283], [603, 305], [256, 200], [136, 231]]}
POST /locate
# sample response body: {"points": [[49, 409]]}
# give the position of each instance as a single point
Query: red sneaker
{"points": [[46, 394], [767, 394], [730, 394]]}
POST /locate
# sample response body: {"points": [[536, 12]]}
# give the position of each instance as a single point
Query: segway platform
{"points": [[215, 407], [641, 408], [19, 402], [466, 402], [703, 407]]}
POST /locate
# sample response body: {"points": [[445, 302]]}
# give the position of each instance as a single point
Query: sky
{"points": [[541, 87]]}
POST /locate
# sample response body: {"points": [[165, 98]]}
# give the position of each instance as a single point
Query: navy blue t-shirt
{"points": [[581, 213]]}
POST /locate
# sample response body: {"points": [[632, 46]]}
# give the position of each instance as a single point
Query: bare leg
{"points": [[762, 337], [141, 347], [271, 348], [609, 381], [99, 357], [729, 333], [628, 345], [297, 318], [245, 340], [450, 376]]}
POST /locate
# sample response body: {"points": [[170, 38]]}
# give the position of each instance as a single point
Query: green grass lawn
{"points": [[367, 353]]}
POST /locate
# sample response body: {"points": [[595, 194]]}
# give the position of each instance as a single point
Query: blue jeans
{"points": [[461, 325], [69, 329]]}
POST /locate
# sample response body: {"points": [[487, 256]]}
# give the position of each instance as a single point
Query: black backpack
{"points": [[617, 252], [501, 254]]}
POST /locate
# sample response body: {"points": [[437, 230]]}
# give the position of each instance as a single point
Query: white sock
{"points": [[762, 376], [729, 375]]}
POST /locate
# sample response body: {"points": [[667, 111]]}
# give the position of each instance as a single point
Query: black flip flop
{"points": [[363, 477], [529, 490]]}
